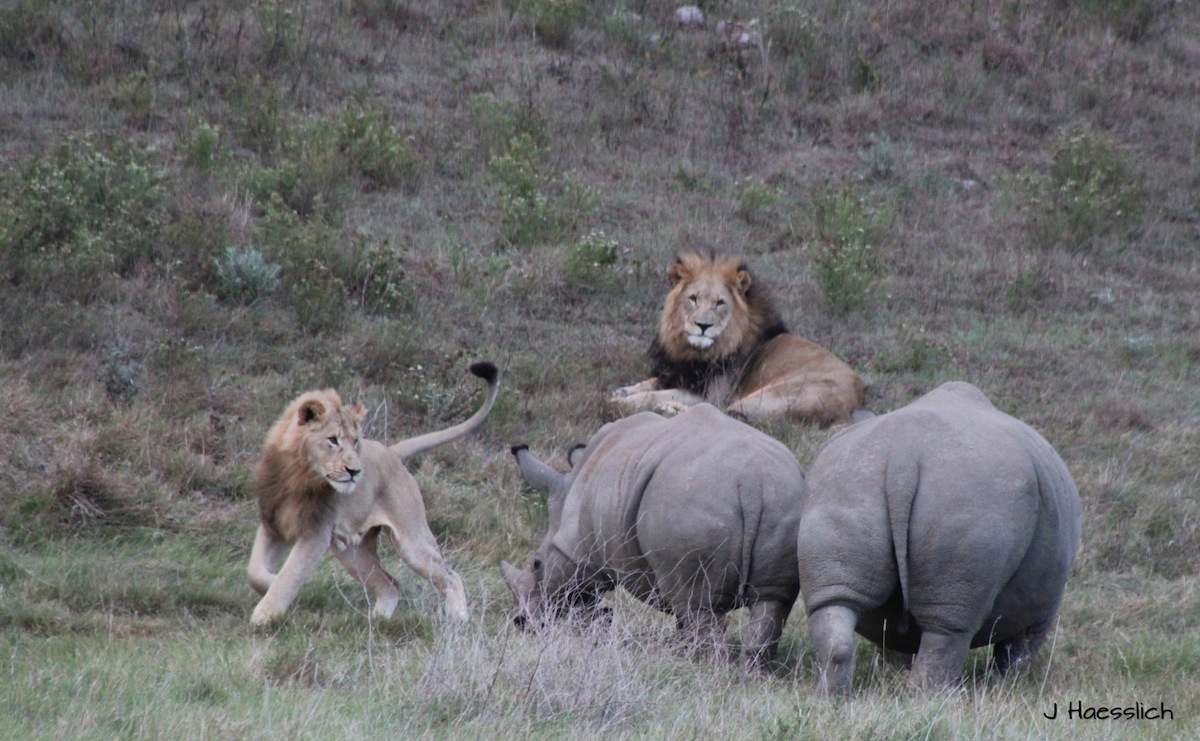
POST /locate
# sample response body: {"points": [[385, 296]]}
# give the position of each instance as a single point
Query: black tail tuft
{"points": [[517, 449], [485, 370]]}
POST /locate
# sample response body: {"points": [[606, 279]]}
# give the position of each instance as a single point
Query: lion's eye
{"points": [[720, 302], [693, 298], [333, 442]]}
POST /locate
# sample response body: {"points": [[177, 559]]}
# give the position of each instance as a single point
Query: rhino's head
{"points": [[552, 586]]}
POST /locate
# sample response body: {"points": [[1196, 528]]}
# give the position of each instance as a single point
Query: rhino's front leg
{"points": [[832, 631], [766, 623], [940, 659]]}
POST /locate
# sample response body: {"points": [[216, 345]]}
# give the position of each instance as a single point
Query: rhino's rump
{"points": [[985, 531], [689, 521]]}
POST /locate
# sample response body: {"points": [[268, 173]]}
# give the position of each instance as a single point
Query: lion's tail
{"points": [[417, 445]]}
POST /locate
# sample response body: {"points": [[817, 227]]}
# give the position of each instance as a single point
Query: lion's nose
{"points": [[353, 473], [703, 327]]}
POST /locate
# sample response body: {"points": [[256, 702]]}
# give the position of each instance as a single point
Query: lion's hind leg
{"points": [[416, 545], [362, 562]]}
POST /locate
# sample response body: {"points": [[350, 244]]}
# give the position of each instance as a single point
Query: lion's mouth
{"points": [[701, 341], [343, 485]]}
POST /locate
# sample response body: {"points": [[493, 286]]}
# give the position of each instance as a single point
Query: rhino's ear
{"points": [[537, 474], [519, 581]]}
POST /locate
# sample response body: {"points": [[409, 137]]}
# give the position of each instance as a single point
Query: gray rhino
{"points": [[694, 514], [942, 526]]}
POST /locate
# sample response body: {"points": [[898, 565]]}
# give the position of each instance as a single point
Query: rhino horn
{"points": [[522, 583]]}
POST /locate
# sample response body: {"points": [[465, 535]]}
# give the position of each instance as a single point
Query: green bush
{"points": [[880, 156], [528, 213], [755, 199], [1130, 19], [791, 31], [846, 259], [375, 151], [590, 261], [1094, 190], [202, 145], [554, 21], [378, 282], [313, 262], [322, 162], [244, 276], [87, 209]]}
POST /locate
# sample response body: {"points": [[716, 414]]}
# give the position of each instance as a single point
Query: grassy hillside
{"points": [[209, 207]]}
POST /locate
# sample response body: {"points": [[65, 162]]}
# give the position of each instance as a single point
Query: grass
{"points": [[206, 208]]}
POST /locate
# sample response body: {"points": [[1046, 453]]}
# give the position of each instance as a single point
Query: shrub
{"points": [[1093, 190], [590, 261], [846, 260], [554, 21], [378, 282], [314, 270], [880, 156], [791, 31], [321, 162], [755, 199], [200, 149], [494, 120], [376, 151], [1130, 19], [528, 214], [86, 209], [257, 107], [244, 276]]}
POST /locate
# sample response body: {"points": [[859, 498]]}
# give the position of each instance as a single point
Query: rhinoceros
{"points": [[942, 526], [694, 514]]}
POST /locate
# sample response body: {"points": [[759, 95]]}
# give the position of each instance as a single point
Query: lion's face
{"points": [[327, 433], [706, 309], [331, 442]]}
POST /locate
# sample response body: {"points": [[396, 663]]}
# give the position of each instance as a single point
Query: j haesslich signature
{"points": [[1076, 710]]}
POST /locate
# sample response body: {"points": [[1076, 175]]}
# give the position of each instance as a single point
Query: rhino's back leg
{"points": [[767, 618], [939, 661], [1024, 645], [832, 631]]}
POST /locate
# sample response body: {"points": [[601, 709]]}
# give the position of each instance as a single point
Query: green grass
{"points": [[206, 208]]}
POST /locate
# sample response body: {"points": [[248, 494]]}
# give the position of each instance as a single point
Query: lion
{"points": [[721, 340], [322, 488]]}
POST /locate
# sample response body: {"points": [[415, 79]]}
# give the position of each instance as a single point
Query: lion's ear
{"points": [[311, 411], [358, 411], [742, 281], [678, 272]]}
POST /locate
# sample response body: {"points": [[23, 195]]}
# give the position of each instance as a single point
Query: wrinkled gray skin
{"points": [[940, 527], [694, 514]]}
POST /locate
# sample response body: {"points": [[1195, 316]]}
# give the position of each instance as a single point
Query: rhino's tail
{"points": [[752, 509], [899, 489]]}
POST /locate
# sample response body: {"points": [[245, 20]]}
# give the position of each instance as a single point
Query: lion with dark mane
{"points": [[721, 340], [324, 489]]}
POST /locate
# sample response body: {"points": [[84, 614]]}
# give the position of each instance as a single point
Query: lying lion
{"points": [[721, 340], [323, 489]]}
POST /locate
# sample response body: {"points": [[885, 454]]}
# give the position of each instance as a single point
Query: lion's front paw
{"points": [[671, 408], [260, 617]]}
